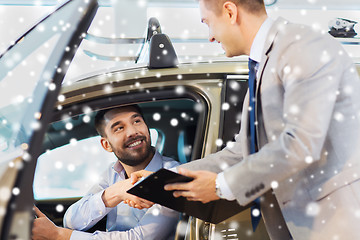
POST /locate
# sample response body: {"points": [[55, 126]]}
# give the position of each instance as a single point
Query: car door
{"points": [[31, 72]]}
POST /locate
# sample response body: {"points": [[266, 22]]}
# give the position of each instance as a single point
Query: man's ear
{"points": [[231, 11], [105, 144]]}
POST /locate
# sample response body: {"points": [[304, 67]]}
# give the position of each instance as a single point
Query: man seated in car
{"points": [[123, 132]]}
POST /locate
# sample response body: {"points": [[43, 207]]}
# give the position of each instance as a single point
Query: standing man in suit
{"points": [[307, 127]]}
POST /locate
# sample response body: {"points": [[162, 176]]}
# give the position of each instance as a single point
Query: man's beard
{"points": [[134, 160]]}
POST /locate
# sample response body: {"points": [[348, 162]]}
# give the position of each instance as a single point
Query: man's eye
{"points": [[118, 129]]}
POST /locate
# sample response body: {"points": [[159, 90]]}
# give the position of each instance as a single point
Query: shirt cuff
{"points": [[174, 169], [78, 235], [224, 187]]}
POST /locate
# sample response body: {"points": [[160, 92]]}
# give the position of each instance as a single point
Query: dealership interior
{"points": [[110, 68], [114, 37]]}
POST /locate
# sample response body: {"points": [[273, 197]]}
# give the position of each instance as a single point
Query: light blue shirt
{"points": [[256, 50], [123, 222]]}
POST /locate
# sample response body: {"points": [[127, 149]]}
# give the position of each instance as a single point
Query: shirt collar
{"points": [[155, 164], [258, 44]]}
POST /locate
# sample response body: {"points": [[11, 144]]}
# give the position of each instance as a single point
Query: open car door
{"points": [[31, 73]]}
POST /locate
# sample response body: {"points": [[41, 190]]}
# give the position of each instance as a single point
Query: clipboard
{"points": [[152, 188]]}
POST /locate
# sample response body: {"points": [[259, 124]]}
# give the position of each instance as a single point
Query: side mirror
{"points": [[161, 52]]}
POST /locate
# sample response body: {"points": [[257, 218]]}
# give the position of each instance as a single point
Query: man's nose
{"points": [[131, 131]]}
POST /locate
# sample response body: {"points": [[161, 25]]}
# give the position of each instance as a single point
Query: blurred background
{"points": [[179, 19]]}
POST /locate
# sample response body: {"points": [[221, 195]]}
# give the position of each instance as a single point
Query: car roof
{"points": [[137, 73]]}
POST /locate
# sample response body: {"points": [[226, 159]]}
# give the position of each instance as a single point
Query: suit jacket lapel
{"points": [[267, 48], [260, 131], [245, 126]]}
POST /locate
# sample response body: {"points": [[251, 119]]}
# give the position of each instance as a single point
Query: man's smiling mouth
{"points": [[134, 141], [134, 144]]}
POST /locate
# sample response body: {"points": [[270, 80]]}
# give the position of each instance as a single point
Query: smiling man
{"points": [[124, 132]]}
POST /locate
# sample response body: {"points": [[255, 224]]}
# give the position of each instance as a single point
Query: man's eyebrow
{"points": [[115, 124], [135, 115]]}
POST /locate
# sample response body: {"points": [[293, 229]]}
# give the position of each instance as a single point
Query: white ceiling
{"points": [[330, 4]]}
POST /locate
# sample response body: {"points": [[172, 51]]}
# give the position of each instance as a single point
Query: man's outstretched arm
{"points": [[44, 229]]}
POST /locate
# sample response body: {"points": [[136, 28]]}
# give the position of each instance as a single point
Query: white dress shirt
{"points": [[123, 222], [256, 50]]}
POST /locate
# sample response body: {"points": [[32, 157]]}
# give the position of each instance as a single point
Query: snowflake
{"points": [[309, 159], [108, 88], [274, 184], [234, 99], [155, 211], [58, 165], [180, 90], [255, 212], [71, 167], [234, 85], [219, 142], [156, 116], [294, 109], [73, 141], [339, 117], [174, 122], [182, 228], [16, 191], [312, 209], [225, 106], [69, 126], [86, 119], [198, 107], [59, 208], [61, 98]]}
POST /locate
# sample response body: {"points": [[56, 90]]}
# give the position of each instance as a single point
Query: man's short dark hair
{"points": [[99, 117], [253, 6]]}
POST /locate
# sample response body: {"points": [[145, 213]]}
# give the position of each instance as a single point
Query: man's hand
{"points": [[132, 200], [44, 229], [136, 176], [116, 194], [202, 188]]}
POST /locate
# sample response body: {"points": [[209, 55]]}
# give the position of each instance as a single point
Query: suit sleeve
{"points": [[219, 161]]}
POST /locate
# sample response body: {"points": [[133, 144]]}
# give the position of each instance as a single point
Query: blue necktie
{"points": [[252, 99]]}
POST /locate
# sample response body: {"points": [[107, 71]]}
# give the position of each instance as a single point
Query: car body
{"points": [[47, 135]]}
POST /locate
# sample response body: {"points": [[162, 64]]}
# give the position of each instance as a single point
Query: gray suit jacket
{"points": [[308, 131]]}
